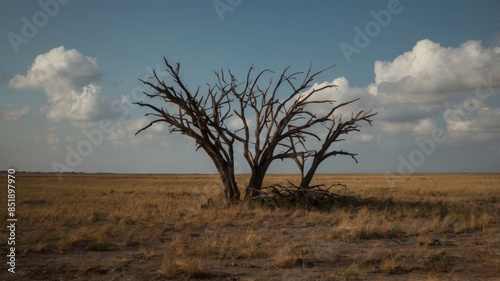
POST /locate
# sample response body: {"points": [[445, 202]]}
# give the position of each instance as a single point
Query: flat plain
{"points": [[171, 227]]}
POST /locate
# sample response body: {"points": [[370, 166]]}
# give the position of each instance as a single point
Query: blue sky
{"points": [[430, 68]]}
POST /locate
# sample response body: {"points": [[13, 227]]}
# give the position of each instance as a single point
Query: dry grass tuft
{"points": [[177, 262], [392, 265], [293, 256]]}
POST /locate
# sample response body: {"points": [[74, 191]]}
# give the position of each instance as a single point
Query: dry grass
{"points": [[154, 227]]}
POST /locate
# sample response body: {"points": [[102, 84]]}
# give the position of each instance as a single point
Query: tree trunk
{"points": [[230, 188], [255, 183], [306, 180]]}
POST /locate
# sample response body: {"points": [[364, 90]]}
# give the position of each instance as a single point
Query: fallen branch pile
{"points": [[317, 197]]}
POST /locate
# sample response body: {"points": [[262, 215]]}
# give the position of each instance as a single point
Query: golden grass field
{"points": [[160, 227]]}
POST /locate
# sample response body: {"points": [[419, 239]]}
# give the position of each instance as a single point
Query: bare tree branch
{"points": [[269, 128]]}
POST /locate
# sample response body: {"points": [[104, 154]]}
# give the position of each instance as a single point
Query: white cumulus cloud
{"points": [[69, 79], [363, 138], [429, 72], [8, 114], [422, 127], [412, 91], [473, 120], [236, 123], [125, 132]]}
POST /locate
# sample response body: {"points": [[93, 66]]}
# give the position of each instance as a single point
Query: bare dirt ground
{"points": [[164, 227]]}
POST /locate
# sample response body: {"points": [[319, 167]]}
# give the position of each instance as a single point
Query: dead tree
{"points": [[200, 117], [281, 124], [270, 128]]}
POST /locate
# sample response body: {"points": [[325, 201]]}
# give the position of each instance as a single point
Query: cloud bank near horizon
{"points": [[429, 85]]}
